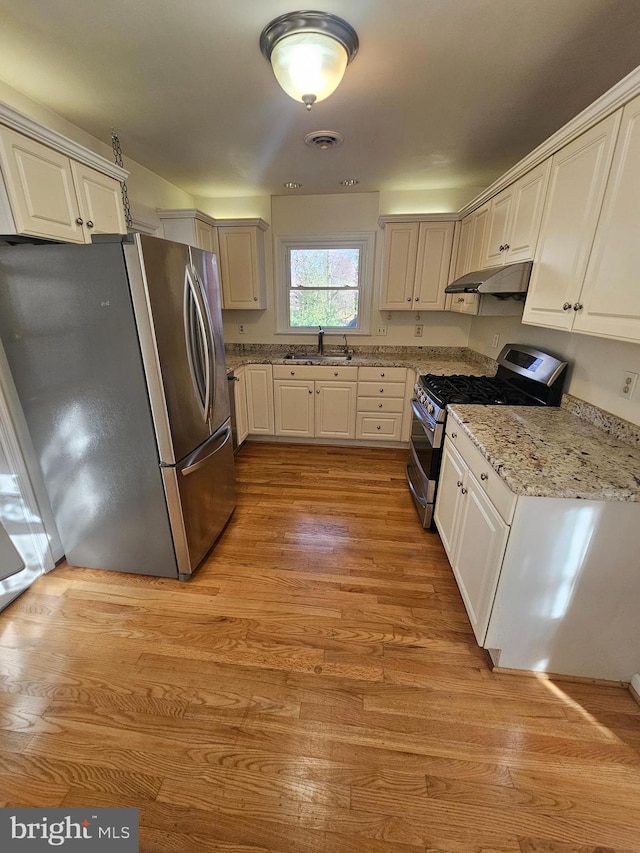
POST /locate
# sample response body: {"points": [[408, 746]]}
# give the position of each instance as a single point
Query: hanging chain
{"points": [[117, 153]]}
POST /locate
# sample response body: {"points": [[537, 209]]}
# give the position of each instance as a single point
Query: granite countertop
{"points": [[549, 452], [439, 360]]}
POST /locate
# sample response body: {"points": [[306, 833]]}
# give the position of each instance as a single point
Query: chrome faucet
{"points": [[320, 340], [346, 345]]}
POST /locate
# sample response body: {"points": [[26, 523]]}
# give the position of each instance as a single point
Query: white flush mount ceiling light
{"points": [[309, 52]]}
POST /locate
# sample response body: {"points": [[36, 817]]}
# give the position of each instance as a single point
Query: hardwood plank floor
{"points": [[316, 687]]}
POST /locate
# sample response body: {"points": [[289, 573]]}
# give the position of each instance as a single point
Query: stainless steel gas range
{"points": [[525, 377]]}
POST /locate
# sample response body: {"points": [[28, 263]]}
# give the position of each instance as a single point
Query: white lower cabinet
{"points": [[549, 584], [381, 402], [260, 410], [240, 399], [315, 402]]}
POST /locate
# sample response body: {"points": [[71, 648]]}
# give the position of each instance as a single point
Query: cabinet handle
{"points": [[89, 224], [577, 306], [79, 221], [566, 306], [464, 491], [459, 483], [484, 476], [454, 435]]}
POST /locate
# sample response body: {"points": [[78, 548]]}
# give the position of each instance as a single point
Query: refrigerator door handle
{"points": [[208, 329], [196, 461], [191, 297]]}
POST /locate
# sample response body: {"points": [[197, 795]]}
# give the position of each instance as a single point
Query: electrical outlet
{"points": [[241, 328], [418, 330], [628, 384], [495, 341], [381, 330]]}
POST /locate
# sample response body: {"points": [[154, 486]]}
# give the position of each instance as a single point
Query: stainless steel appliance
{"points": [[117, 354], [525, 377]]}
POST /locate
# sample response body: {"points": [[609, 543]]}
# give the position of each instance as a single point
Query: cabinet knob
{"points": [[566, 306], [454, 435], [89, 224], [335, 372], [311, 392], [460, 298], [293, 373], [502, 248], [317, 392], [459, 483], [379, 405], [378, 427], [79, 221], [464, 491], [382, 390], [417, 299], [484, 476], [382, 375], [408, 299], [255, 298], [506, 247], [577, 306]]}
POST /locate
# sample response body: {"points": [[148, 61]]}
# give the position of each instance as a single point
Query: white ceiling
{"points": [[442, 94]]}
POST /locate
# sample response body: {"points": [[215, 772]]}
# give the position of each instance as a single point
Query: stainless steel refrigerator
{"points": [[117, 353]]}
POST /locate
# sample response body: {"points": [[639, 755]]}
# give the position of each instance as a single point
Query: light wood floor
{"points": [[315, 688]]}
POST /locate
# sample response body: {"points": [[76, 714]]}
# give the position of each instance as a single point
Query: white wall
{"points": [[596, 364], [297, 216]]}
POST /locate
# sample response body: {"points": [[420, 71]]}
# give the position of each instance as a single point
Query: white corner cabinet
{"points": [[240, 404], [549, 584], [52, 187], [416, 262], [239, 245], [586, 270]]}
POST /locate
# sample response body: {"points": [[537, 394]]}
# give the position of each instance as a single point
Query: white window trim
{"points": [[365, 241]]}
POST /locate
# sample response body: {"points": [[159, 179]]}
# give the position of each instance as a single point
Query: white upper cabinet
{"points": [[609, 304], [53, 196], [242, 262], [473, 232], [190, 226], [577, 183], [514, 219], [417, 257]]}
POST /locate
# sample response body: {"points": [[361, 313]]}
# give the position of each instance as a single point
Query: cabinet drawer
{"points": [[381, 404], [310, 371], [381, 389], [500, 495], [387, 427], [389, 374]]}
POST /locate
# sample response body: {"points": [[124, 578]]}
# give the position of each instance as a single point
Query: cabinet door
{"points": [[435, 241], [40, 187], [481, 539], [452, 475], [335, 414], [242, 266], [294, 407], [528, 199], [242, 419], [399, 270], [610, 297], [99, 200], [576, 188], [205, 234], [480, 224], [464, 246], [259, 378], [499, 215]]}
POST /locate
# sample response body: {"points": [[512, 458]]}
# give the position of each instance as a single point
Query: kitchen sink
{"points": [[315, 357]]}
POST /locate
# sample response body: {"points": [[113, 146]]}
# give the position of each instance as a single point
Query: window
{"points": [[325, 282]]}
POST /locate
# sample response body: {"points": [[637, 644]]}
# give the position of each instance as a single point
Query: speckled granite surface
{"points": [[440, 360], [615, 426], [549, 452]]}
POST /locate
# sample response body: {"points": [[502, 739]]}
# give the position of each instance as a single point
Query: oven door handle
{"points": [[418, 498]]}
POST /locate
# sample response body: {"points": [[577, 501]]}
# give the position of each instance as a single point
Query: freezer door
{"points": [[201, 497], [178, 347], [205, 274]]}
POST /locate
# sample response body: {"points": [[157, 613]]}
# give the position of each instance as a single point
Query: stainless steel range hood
{"points": [[509, 280]]}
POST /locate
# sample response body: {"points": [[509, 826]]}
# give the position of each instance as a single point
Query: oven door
{"points": [[423, 466]]}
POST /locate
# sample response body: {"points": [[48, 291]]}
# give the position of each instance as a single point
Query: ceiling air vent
{"points": [[324, 139]]}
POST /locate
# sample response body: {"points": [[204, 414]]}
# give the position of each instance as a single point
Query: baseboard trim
{"points": [[634, 687], [576, 679]]}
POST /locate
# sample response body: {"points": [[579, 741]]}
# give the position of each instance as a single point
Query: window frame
{"points": [[364, 241]]}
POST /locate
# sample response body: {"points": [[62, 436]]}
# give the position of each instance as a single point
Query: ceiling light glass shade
{"points": [[309, 52], [309, 66]]}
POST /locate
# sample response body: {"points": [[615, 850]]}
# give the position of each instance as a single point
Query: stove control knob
{"points": [[430, 408]]}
